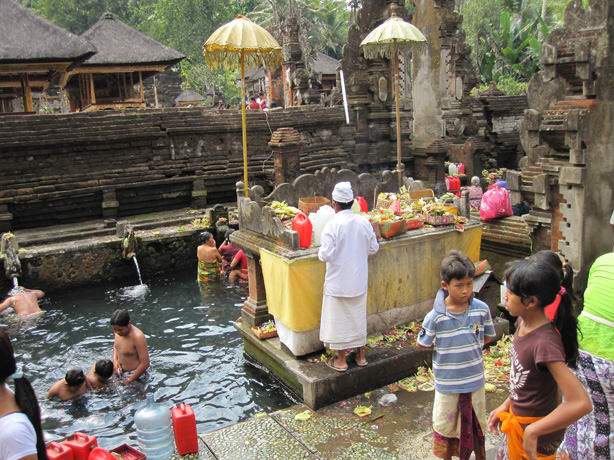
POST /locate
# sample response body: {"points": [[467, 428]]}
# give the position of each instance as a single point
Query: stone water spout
{"points": [[128, 243], [9, 250]]}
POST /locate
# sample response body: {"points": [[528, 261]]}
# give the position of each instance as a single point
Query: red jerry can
{"points": [[362, 203], [98, 453], [57, 451], [302, 225], [81, 444], [184, 427], [461, 168]]}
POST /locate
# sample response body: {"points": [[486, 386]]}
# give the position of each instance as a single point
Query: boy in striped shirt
{"points": [[456, 329]]}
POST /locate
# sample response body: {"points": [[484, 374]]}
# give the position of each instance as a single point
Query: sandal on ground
{"points": [[361, 364], [331, 363]]}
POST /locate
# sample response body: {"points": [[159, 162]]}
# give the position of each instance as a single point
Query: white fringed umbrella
{"points": [[386, 40], [234, 46]]}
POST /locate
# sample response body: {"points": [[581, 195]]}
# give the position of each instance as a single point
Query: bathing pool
{"points": [[196, 356]]}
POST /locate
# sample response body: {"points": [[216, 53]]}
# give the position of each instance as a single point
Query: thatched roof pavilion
{"points": [[33, 51], [124, 58], [189, 97]]}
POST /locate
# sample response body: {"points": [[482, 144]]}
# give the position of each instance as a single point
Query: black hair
{"points": [[25, 397], [345, 205], [564, 270], [74, 377], [204, 237], [104, 368], [228, 232], [537, 278], [120, 318], [456, 265]]}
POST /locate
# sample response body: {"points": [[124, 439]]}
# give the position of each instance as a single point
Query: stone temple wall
{"points": [[568, 137], [59, 169]]}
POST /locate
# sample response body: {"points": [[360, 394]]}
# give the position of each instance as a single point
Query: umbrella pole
{"points": [[244, 130], [398, 114]]}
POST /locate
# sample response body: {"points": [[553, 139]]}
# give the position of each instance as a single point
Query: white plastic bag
{"points": [[388, 399]]}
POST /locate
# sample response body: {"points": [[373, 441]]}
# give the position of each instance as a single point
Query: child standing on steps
{"points": [[533, 417], [456, 329]]}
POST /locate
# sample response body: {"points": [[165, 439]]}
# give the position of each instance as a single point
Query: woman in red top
{"points": [[253, 104], [238, 268]]}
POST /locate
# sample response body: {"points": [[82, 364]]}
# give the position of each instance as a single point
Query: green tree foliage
{"points": [[185, 25], [331, 20], [323, 23], [79, 15], [506, 36]]}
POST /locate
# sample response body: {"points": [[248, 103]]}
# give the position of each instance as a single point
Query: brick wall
{"points": [[73, 167]]}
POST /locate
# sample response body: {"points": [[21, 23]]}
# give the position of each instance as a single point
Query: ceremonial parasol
{"points": [[386, 40], [234, 46]]}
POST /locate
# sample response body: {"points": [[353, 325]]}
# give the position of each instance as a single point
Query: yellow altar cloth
{"points": [[404, 272]]}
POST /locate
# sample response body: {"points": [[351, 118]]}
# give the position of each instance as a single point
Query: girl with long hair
{"points": [[21, 435], [534, 417]]}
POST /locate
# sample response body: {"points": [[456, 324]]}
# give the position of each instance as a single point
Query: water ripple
{"points": [[197, 360]]}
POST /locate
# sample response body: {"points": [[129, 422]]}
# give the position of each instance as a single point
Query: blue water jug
{"points": [[153, 428]]}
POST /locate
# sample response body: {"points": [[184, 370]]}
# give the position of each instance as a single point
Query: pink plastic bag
{"points": [[495, 203]]}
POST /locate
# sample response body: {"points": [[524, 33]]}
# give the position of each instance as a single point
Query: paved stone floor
{"points": [[401, 431]]}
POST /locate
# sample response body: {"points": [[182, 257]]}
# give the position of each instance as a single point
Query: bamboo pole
{"points": [[244, 129], [141, 85], [398, 114], [92, 88], [27, 94]]}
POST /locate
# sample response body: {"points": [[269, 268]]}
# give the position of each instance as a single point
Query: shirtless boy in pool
{"points": [[24, 302], [130, 354]]}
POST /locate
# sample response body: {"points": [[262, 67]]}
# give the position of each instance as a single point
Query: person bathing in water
{"points": [[24, 301], [100, 374], [130, 354], [70, 387], [209, 259]]}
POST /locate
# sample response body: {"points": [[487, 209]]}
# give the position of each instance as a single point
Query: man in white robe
{"points": [[346, 243]]}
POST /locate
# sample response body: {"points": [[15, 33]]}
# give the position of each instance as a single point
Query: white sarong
{"points": [[343, 323]]}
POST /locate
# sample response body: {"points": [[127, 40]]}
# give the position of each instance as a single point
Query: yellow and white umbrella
{"points": [[234, 46], [386, 40]]}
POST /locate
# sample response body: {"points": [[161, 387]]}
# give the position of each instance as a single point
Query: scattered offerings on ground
{"points": [[423, 380], [497, 361], [362, 411], [496, 369], [305, 415], [398, 337]]}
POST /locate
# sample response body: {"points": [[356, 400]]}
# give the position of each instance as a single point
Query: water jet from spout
{"points": [[136, 264]]}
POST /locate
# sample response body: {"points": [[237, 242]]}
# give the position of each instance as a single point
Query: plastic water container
{"points": [[184, 427], [319, 220], [58, 451], [362, 203], [101, 454], [153, 429], [461, 168], [453, 169], [81, 444], [303, 226]]}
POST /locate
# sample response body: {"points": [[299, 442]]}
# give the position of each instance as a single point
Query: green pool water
{"points": [[196, 356]]}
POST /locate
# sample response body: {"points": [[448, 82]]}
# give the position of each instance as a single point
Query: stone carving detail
{"points": [[255, 215], [570, 100]]}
